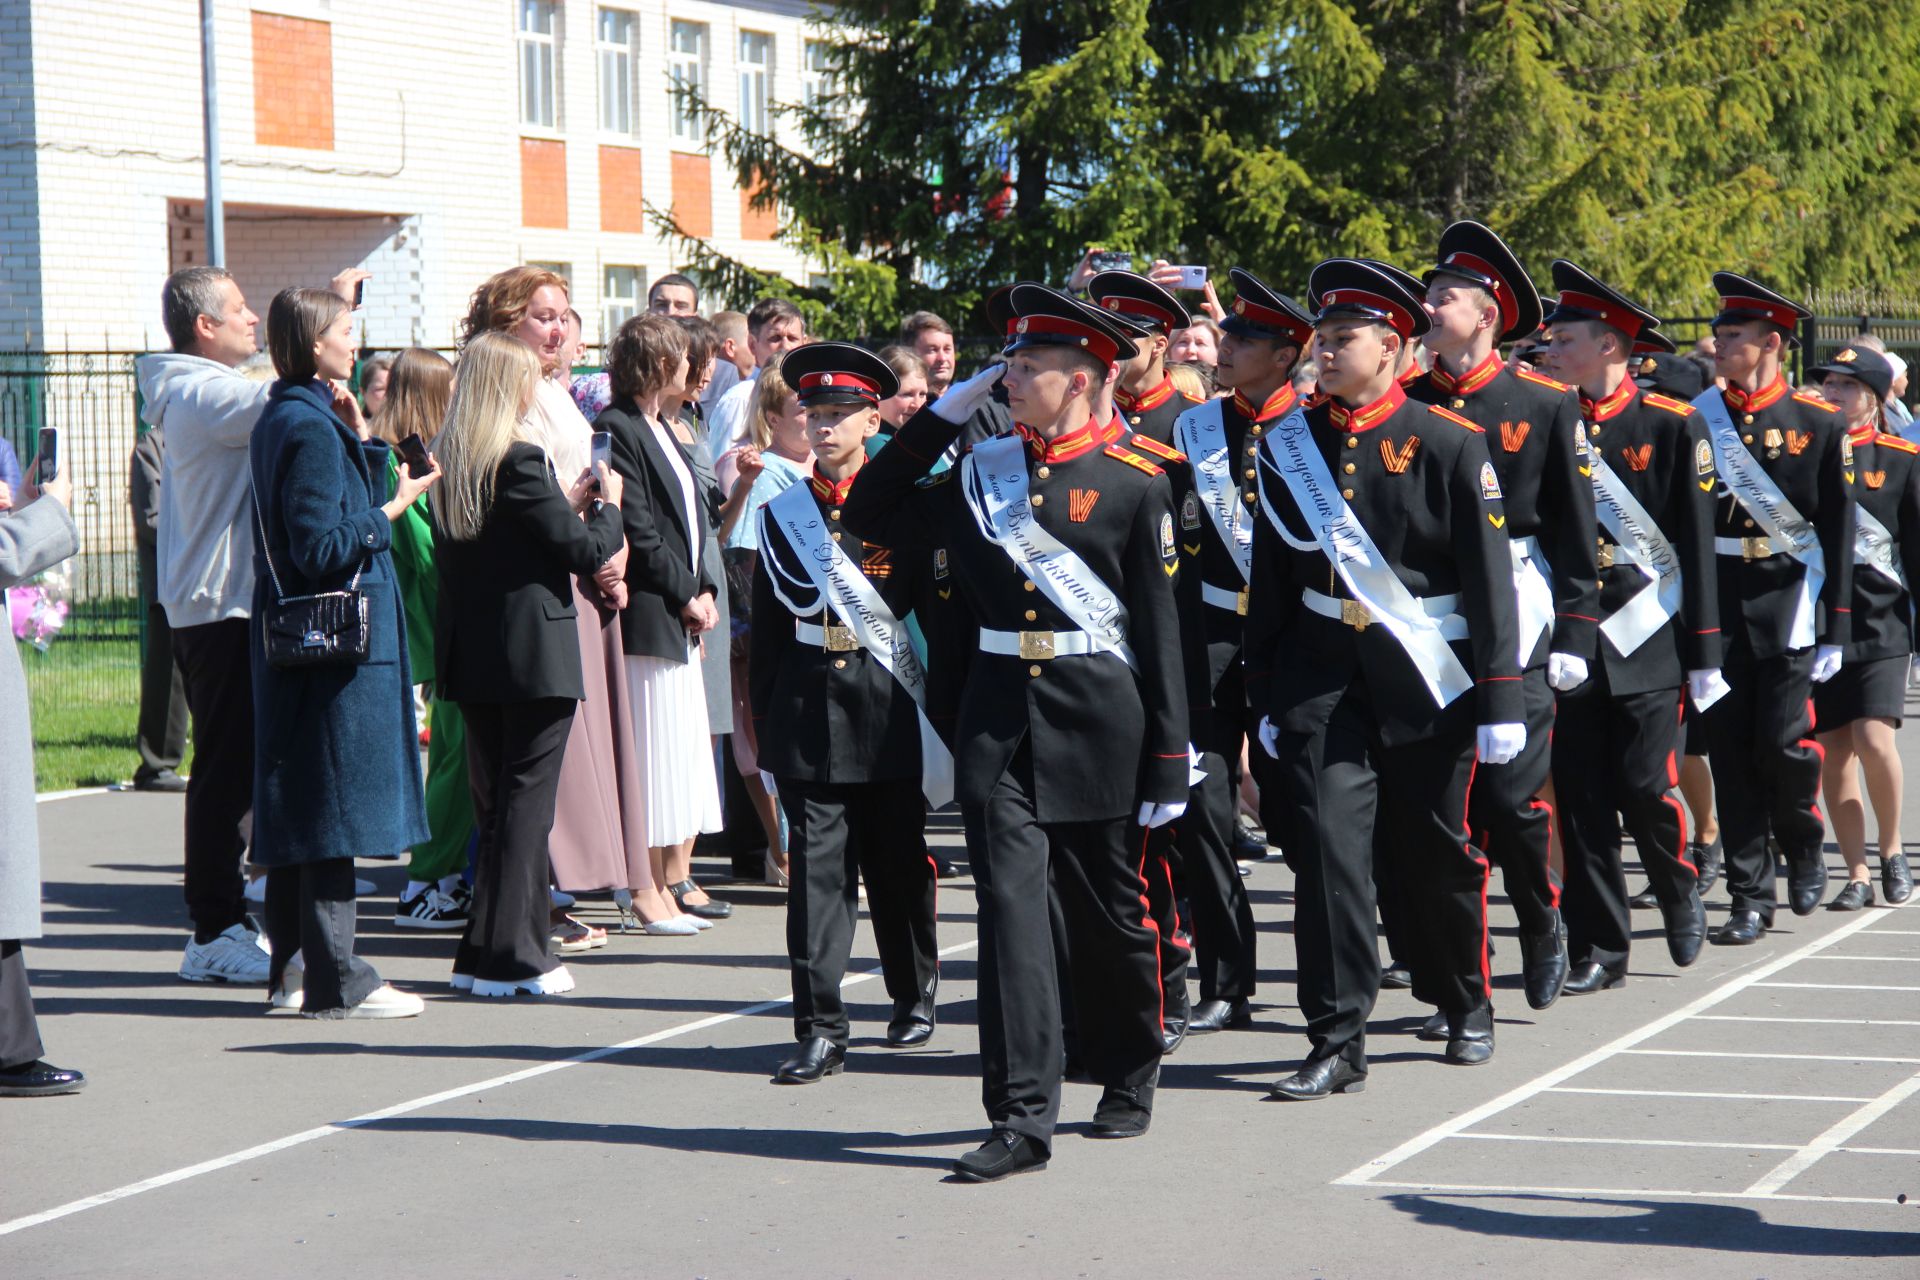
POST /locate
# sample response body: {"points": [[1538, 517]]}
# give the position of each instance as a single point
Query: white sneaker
{"points": [[461, 982], [432, 909], [238, 955], [387, 1001], [552, 983], [288, 995]]}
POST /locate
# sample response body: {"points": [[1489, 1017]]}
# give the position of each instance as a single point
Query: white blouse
{"points": [[670, 445], [556, 424]]}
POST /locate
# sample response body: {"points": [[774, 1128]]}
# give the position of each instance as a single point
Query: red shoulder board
{"points": [[1887, 441], [1132, 459], [1451, 416], [1815, 401], [1147, 444], [1529, 375], [1668, 403]]}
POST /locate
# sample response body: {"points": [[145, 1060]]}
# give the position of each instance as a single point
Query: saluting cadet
{"points": [[844, 715], [1144, 395], [1649, 470], [1858, 710], [1784, 534], [1478, 297], [1382, 597], [1063, 552]]}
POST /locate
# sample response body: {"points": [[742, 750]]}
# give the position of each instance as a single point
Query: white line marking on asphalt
{"points": [[1688, 1093], [1878, 1151], [1771, 1057], [48, 797], [1832, 986], [1836, 1133], [1837, 1022], [416, 1104], [1626, 1142], [1880, 959], [1614, 1193], [1466, 1120]]}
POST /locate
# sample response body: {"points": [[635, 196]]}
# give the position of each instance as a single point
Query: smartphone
{"points": [[602, 455], [49, 455], [413, 451], [359, 291], [1110, 260], [1192, 277]]}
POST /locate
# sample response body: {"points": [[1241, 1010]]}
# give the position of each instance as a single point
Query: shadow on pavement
{"points": [[1662, 1224]]}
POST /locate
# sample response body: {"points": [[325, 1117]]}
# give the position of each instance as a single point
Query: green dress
{"points": [[449, 798]]}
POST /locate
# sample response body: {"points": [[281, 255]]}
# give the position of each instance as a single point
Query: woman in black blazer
{"points": [[507, 641]]}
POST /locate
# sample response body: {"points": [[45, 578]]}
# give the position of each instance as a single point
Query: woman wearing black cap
{"points": [[1859, 709]]}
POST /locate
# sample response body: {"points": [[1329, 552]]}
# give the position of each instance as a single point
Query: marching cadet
{"points": [[1144, 395], [1858, 710], [1381, 599], [1063, 552], [844, 714], [1479, 296], [1784, 534], [1650, 473]]}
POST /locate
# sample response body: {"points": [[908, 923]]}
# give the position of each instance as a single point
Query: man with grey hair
{"points": [[204, 557]]}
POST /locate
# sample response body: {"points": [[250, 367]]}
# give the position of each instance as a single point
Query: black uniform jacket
{"points": [[1657, 447], [1757, 597], [1152, 413], [506, 628], [661, 577], [1533, 435], [1419, 480], [1887, 486], [1104, 737]]}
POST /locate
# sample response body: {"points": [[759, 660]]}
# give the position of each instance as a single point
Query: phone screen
{"points": [[49, 455], [414, 451], [1110, 260], [602, 456]]}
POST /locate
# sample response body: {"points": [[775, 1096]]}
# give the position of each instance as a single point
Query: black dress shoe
{"points": [[914, 1020], [1707, 859], [1123, 1112], [1319, 1077], [1218, 1015], [39, 1079], [1543, 965], [818, 1057], [1896, 880], [166, 780], [1806, 882], [1742, 929], [1644, 900], [944, 869], [1248, 847], [1686, 926], [1434, 1028], [1396, 977], [1470, 1037], [711, 909], [1000, 1156], [1590, 976], [1852, 897]]}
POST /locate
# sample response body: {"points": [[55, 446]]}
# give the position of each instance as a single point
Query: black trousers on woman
{"points": [[513, 767], [19, 1031], [310, 909]]}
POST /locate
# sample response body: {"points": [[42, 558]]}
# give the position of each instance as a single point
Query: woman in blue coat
{"points": [[336, 755]]}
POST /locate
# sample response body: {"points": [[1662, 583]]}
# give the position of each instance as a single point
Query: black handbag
{"points": [[326, 629]]}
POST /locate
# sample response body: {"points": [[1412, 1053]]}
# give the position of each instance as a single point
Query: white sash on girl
{"points": [[994, 476], [1201, 434], [1873, 545], [1638, 542], [1769, 507], [1345, 542], [853, 599]]}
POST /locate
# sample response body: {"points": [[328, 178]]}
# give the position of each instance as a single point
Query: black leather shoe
{"points": [[1123, 1112], [1707, 858], [1470, 1037], [913, 1021], [165, 780], [711, 909], [1396, 977], [39, 1079], [1686, 926], [1742, 929], [1896, 880], [1806, 882], [1248, 847], [1319, 1077], [818, 1057], [1854, 895], [1002, 1155], [944, 868], [1644, 900], [1590, 976], [1543, 965], [1434, 1028], [1218, 1015]]}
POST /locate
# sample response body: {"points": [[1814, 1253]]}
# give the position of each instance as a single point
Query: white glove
{"points": [[1566, 671], [1826, 663], [1159, 815], [1500, 743], [962, 398], [1707, 686], [1270, 736]]}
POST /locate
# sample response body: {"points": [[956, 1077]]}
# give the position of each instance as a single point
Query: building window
{"points": [[614, 43], [687, 71], [818, 80], [756, 72], [538, 38], [625, 287]]}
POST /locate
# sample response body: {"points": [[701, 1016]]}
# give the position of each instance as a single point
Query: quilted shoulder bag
{"points": [[326, 629]]}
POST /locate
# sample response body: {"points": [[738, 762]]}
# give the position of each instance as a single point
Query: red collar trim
{"points": [[1367, 416], [1862, 434], [1069, 446], [1470, 381], [1741, 402], [1152, 398], [832, 494], [1278, 403], [1618, 399]]}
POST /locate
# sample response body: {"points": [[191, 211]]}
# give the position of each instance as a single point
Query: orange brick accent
{"points": [[619, 189], [693, 194], [292, 82], [757, 224], [543, 183]]}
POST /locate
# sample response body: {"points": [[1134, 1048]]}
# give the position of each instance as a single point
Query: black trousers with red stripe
{"points": [[1223, 930], [1512, 824], [1097, 873], [1616, 763], [1766, 770], [1339, 783], [1163, 904]]}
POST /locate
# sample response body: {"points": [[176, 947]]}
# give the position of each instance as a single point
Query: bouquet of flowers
{"points": [[38, 610]]}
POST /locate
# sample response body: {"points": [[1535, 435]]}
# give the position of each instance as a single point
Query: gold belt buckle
{"points": [[1755, 548], [1036, 645], [1355, 615], [1603, 558], [839, 639], [1240, 600]]}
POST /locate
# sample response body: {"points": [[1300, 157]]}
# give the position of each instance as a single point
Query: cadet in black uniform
{"points": [[1478, 297], [1857, 711], [1144, 395], [1616, 749], [845, 738], [1063, 552], [1361, 665], [1783, 635]]}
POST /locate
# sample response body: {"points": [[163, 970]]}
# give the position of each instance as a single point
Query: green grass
{"points": [[85, 695]]}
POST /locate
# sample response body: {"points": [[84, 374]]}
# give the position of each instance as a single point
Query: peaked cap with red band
{"points": [[1744, 299], [1137, 302], [1044, 318], [1652, 342], [838, 373], [1361, 289], [1583, 297], [1475, 254], [1260, 312]]}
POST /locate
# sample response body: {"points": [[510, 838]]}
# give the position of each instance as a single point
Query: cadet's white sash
{"points": [[1533, 592], [1345, 542], [994, 477], [1873, 545], [1769, 507], [1639, 542], [1201, 434], [853, 599]]}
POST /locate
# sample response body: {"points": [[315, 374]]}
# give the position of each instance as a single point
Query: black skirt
{"points": [[1873, 689]]}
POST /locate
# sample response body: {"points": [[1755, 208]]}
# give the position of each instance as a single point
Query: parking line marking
{"points": [[1836, 1134], [1688, 1093], [1771, 1057], [1832, 986], [1627, 1142], [1536, 1192]]}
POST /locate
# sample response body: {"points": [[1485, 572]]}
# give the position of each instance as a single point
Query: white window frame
{"points": [[756, 81], [616, 61], [818, 80], [628, 305], [538, 55], [686, 67]]}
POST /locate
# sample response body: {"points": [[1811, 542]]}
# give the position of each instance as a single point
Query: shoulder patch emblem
{"points": [[1668, 403], [1703, 458], [1489, 483], [1846, 446], [1190, 511], [1167, 552], [1529, 375], [1815, 401], [1453, 417], [1136, 461], [1147, 444], [940, 569]]}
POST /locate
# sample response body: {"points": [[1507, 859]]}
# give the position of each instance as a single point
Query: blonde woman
{"points": [[508, 643]]}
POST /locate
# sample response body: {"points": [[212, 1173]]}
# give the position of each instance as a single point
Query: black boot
{"points": [[1124, 1111]]}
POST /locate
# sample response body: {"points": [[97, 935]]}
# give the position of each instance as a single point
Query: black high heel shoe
{"points": [[711, 909]]}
